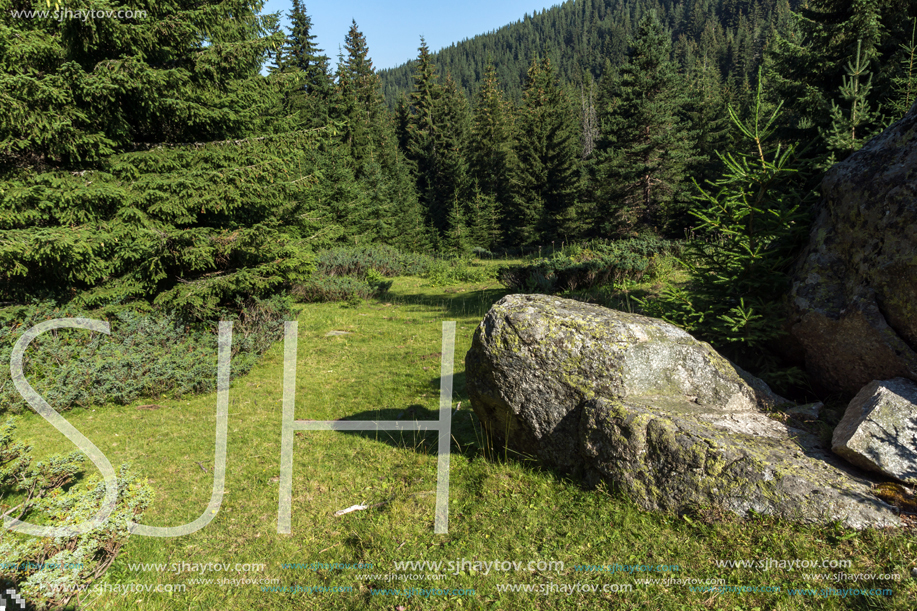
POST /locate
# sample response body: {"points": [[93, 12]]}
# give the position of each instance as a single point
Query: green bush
{"points": [[356, 261], [43, 569], [444, 272], [588, 265], [145, 355], [750, 230], [187, 228], [339, 288]]}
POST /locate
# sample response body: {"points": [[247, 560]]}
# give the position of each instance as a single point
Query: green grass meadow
{"points": [[501, 507]]}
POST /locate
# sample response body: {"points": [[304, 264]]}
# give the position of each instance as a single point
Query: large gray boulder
{"points": [[879, 429], [639, 403], [853, 301]]}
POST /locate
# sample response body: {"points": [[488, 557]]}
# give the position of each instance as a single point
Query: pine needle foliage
{"points": [[905, 84], [648, 147], [75, 91], [188, 228], [547, 148], [850, 128], [751, 222]]}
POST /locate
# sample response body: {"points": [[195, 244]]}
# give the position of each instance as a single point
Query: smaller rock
{"points": [[914, 572], [809, 411], [879, 429]]}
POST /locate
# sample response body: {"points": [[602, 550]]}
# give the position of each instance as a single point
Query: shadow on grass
{"points": [[469, 438], [455, 304]]}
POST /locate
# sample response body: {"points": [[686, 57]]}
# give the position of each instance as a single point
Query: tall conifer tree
{"points": [[492, 140], [436, 141], [548, 150], [390, 210], [312, 85], [647, 147], [422, 134], [493, 160]]}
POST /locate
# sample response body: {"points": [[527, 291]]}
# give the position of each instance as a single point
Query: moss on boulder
{"points": [[637, 402]]}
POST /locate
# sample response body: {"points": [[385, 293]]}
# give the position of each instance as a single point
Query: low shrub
{"points": [[47, 572], [356, 261], [454, 271], [584, 266], [340, 288], [147, 354]]}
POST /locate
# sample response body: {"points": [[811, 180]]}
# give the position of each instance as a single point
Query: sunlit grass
{"points": [[501, 508]]}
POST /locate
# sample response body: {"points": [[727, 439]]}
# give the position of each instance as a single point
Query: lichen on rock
{"points": [[853, 301], [636, 402]]}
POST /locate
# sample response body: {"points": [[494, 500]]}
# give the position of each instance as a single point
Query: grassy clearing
{"points": [[501, 508]]}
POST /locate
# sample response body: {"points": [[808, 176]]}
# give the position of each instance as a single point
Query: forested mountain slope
{"points": [[581, 36]]}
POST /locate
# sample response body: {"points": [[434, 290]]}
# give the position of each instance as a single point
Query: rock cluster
{"points": [[879, 429]]}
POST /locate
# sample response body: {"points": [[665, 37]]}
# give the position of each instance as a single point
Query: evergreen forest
{"points": [[164, 167], [201, 163]]}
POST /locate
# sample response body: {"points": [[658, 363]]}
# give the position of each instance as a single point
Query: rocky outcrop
{"points": [[853, 301], [639, 403], [879, 429]]}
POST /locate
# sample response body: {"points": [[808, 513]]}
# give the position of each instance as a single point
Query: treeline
{"points": [[157, 165], [582, 36]]}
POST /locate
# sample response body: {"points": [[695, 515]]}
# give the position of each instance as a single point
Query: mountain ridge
{"points": [[583, 37]]}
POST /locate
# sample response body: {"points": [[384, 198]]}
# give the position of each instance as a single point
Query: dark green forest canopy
{"points": [[149, 159], [144, 159], [580, 35], [74, 91]]}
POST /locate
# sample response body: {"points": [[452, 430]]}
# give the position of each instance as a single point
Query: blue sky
{"points": [[393, 28]]}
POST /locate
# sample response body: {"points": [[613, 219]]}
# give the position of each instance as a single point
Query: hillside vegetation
{"points": [[659, 157], [585, 37]]}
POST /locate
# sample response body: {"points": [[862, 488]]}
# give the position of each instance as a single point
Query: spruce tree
{"points": [[492, 152], [548, 149], [138, 162], [647, 147], [484, 220], [74, 92], [905, 83], [849, 127], [751, 221], [313, 87], [436, 141], [359, 100], [706, 112], [455, 174], [422, 134], [390, 210], [807, 63]]}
